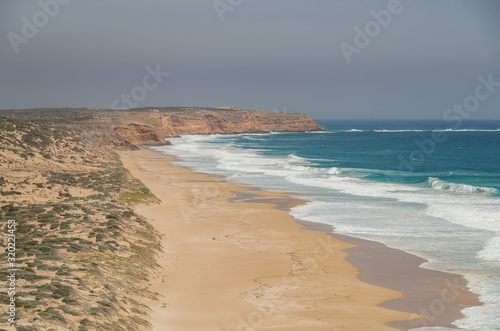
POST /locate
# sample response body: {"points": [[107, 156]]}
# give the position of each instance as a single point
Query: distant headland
{"points": [[125, 129]]}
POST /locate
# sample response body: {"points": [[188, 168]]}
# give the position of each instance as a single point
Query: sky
{"points": [[346, 59]]}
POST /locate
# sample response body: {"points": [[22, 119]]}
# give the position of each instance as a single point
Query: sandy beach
{"points": [[234, 259]]}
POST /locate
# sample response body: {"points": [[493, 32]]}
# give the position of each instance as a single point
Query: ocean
{"points": [[420, 186]]}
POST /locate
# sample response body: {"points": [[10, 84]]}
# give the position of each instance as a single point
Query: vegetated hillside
{"points": [[83, 255], [127, 128]]}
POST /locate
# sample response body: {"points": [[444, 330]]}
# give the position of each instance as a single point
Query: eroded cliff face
{"points": [[237, 122], [151, 126], [164, 125], [137, 134]]}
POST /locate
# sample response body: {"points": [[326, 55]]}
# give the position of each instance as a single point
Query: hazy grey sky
{"points": [[254, 54]]}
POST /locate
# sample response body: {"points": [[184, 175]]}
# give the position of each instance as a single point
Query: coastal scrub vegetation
{"points": [[84, 257]]}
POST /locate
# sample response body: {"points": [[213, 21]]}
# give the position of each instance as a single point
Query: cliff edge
{"points": [[151, 126]]}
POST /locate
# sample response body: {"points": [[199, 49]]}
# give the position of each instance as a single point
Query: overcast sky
{"points": [[254, 54]]}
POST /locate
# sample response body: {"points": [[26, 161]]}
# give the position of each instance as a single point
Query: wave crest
{"points": [[439, 184]]}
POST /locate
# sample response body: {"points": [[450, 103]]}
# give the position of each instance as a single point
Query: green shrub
{"points": [[68, 300], [51, 314]]}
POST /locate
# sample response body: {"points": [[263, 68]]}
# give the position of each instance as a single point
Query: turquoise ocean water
{"points": [[419, 186]]}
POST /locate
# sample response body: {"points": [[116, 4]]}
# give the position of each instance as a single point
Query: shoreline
{"points": [[278, 283], [438, 295]]}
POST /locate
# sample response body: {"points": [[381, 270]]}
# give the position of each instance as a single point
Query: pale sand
{"points": [[227, 266]]}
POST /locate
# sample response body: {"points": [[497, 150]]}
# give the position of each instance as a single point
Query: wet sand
{"points": [[439, 296], [233, 258]]}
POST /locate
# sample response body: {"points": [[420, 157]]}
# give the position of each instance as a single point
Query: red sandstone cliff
{"points": [[163, 125], [126, 128]]}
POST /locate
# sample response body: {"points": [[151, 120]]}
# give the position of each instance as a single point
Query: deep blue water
{"points": [[385, 151], [414, 185]]}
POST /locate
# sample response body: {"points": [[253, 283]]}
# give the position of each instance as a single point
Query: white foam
{"points": [[466, 130], [486, 317], [334, 171], [350, 130], [318, 132], [295, 158], [464, 209], [477, 215], [491, 252], [395, 131], [402, 208], [448, 201], [254, 138], [439, 184], [480, 318]]}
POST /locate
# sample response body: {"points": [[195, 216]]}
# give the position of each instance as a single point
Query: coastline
{"points": [[221, 253], [440, 296]]}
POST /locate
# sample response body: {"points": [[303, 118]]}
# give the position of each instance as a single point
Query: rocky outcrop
{"points": [[137, 134], [151, 126]]}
